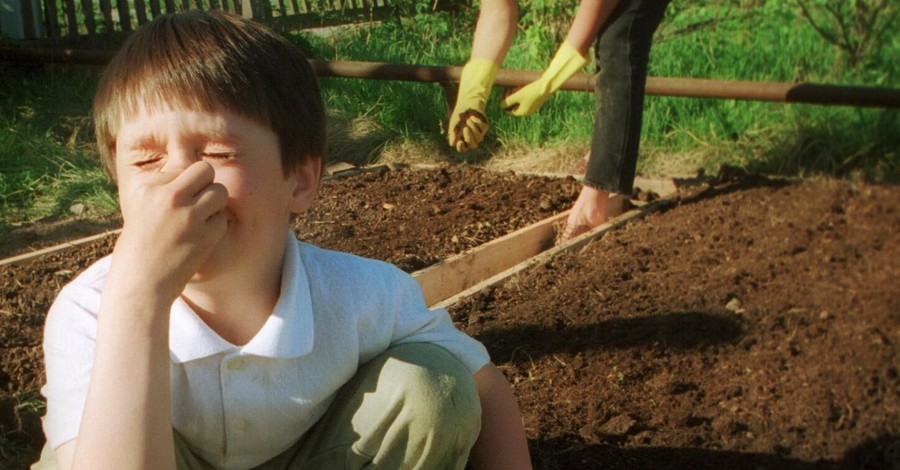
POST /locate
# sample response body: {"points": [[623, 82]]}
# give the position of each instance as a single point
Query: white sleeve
{"points": [[415, 323], [69, 341]]}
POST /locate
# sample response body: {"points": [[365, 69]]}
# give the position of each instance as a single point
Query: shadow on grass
{"points": [[856, 143]]}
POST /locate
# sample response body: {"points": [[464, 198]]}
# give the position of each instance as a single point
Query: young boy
{"points": [[211, 337]]}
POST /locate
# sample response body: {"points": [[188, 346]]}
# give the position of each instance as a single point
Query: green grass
{"points": [[765, 41], [48, 162]]}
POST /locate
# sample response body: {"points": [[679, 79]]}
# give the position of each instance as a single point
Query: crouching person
{"points": [[211, 337]]}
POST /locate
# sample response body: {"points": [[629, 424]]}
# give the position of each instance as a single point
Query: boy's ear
{"points": [[306, 175]]}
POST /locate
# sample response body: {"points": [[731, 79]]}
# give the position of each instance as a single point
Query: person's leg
{"points": [[622, 50], [414, 406]]}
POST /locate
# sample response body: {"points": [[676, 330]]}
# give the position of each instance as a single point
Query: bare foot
{"points": [[588, 212]]}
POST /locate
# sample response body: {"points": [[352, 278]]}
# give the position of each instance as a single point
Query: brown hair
{"points": [[207, 61]]}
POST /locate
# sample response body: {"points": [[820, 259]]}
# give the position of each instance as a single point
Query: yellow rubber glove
{"points": [[529, 98], [468, 124]]}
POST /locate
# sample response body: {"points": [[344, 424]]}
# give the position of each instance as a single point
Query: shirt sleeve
{"points": [[383, 306], [69, 340], [414, 322]]}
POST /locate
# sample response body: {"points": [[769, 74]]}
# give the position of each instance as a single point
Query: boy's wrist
{"points": [[131, 280]]}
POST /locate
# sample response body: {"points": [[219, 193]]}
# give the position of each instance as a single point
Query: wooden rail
{"points": [[448, 76]]}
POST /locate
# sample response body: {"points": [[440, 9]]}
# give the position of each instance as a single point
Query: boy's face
{"points": [[246, 159]]}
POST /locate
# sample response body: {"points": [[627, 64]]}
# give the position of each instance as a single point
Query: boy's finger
{"points": [[212, 199], [194, 179]]}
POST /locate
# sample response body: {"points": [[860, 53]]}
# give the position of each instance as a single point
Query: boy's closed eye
{"points": [[157, 160], [148, 162], [219, 155]]}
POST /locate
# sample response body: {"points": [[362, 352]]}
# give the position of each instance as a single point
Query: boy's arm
{"points": [[502, 443], [172, 221]]}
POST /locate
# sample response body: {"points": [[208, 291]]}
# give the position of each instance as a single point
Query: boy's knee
{"points": [[435, 386], [429, 396]]}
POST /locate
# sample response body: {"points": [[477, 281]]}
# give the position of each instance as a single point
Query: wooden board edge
{"points": [[459, 272], [576, 243], [27, 258]]}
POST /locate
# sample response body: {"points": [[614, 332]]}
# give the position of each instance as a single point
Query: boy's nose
{"points": [[178, 159]]}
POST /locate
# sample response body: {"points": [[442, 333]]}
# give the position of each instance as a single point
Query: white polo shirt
{"points": [[239, 406]]}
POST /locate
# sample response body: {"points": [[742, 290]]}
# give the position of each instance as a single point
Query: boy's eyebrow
{"points": [[218, 135], [143, 141]]}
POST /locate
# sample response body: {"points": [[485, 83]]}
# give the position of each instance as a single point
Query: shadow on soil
{"points": [[678, 330], [882, 453]]}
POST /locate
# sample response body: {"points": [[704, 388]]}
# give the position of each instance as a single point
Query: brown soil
{"points": [[752, 324]]}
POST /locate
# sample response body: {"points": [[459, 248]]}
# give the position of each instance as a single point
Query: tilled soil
{"points": [[752, 324]]}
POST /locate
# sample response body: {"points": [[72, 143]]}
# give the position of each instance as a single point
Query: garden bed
{"points": [[749, 324], [754, 325]]}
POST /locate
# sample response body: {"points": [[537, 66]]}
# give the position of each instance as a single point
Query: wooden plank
{"points": [[27, 258], [576, 243], [170, 6], [460, 272], [71, 17]]}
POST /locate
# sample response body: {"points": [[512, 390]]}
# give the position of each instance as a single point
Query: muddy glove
{"points": [[529, 98], [468, 124]]}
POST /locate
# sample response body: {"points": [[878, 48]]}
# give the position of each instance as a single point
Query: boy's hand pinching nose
{"points": [[173, 221]]}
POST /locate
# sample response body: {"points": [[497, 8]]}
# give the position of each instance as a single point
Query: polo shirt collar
{"points": [[288, 332]]}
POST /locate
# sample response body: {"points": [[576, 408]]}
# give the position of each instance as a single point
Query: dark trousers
{"points": [[622, 50]]}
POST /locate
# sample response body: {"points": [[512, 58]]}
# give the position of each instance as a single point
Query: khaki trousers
{"points": [[412, 407]]}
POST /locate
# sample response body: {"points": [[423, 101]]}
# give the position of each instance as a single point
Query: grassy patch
{"points": [[48, 165], [759, 41]]}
